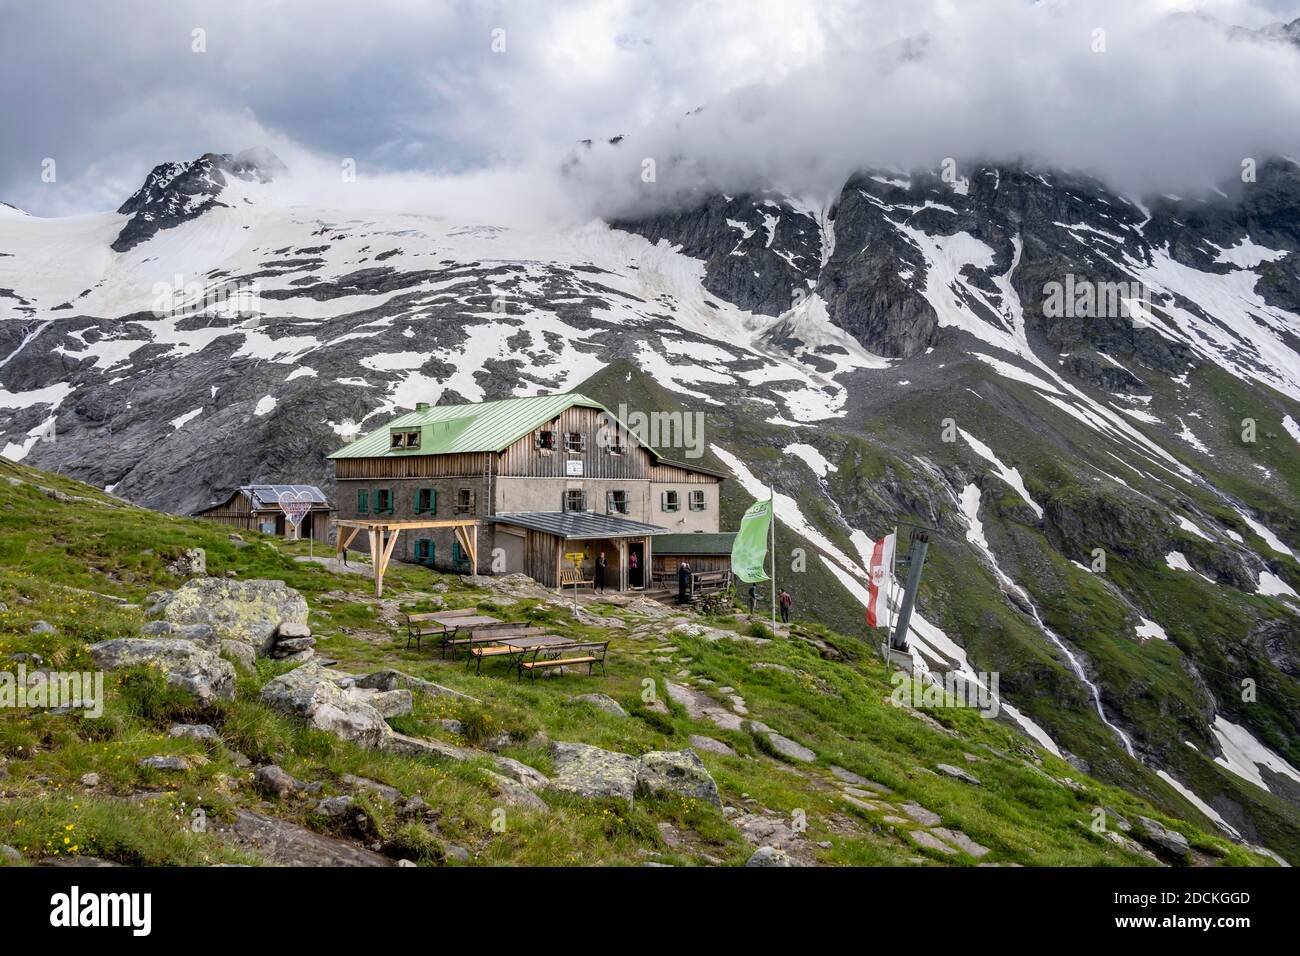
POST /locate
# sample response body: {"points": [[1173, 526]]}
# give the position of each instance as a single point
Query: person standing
{"points": [[786, 601], [683, 579], [753, 597], [600, 573]]}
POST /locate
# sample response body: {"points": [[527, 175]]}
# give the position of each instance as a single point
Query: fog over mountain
{"points": [[494, 96]]}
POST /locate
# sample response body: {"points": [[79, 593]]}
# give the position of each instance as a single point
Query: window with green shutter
{"points": [[426, 501], [383, 501], [363, 502], [424, 550]]}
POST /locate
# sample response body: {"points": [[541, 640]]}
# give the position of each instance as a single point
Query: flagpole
{"points": [[771, 505]]}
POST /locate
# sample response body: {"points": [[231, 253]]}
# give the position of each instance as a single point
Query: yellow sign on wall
{"points": [[576, 557]]}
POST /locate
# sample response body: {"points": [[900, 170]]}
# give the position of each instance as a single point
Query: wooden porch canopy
{"points": [[381, 552]]}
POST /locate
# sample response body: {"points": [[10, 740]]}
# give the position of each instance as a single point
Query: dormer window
{"points": [[404, 439], [575, 442], [546, 440]]}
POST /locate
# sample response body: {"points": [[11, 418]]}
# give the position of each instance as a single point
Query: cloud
{"points": [[474, 108]]}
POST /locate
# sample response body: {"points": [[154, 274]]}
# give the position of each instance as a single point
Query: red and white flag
{"points": [[879, 573]]}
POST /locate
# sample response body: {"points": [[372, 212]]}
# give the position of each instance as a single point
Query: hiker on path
{"points": [[753, 597], [683, 579], [786, 601]]}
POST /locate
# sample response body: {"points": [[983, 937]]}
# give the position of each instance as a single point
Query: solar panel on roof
{"points": [[268, 496]]}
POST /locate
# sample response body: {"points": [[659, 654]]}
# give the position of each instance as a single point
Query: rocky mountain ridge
{"points": [[897, 356]]}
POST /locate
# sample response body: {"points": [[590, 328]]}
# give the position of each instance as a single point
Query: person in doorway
{"points": [[753, 597], [600, 573], [786, 601], [683, 580]]}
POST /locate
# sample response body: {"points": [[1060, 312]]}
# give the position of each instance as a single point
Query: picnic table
{"points": [[446, 624], [535, 652], [513, 646]]}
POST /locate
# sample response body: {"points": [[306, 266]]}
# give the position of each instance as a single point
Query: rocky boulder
{"points": [[1170, 842], [190, 562], [313, 694], [250, 612], [185, 664], [602, 702], [201, 634], [592, 772], [678, 773]]}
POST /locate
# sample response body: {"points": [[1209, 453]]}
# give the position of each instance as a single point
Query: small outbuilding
{"points": [[259, 508]]}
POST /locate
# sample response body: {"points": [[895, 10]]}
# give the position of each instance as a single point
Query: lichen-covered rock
{"points": [[185, 664], [190, 562], [603, 702], [769, 856], [515, 794], [241, 655], [390, 703], [679, 773], [521, 773], [591, 772], [312, 693], [250, 612], [201, 634], [195, 732]]}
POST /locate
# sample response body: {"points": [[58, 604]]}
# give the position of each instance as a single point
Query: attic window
{"points": [[575, 441], [405, 440], [616, 447], [546, 440], [697, 501]]}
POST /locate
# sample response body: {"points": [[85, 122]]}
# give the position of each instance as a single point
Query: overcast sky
{"points": [[438, 106]]}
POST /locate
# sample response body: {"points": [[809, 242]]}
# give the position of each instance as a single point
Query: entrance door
{"points": [[636, 564]]}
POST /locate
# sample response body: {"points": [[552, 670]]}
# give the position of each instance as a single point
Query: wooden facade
{"points": [[580, 449]]}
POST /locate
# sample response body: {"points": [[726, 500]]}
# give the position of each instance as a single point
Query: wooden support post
{"points": [[473, 547], [376, 550]]}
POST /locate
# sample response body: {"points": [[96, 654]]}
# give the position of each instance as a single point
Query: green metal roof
{"points": [[486, 426], [699, 542]]}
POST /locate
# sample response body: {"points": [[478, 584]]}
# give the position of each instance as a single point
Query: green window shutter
{"points": [[455, 551], [433, 501], [390, 501], [363, 502], [419, 499]]}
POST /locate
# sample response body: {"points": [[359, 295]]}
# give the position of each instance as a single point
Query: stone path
{"points": [[920, 824]]}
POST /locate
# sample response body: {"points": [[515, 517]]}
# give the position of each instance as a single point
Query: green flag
{"points": [[749, 552]]}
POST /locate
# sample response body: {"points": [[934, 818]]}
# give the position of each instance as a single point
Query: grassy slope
{"points": [[1148, 684], [51, 547]]}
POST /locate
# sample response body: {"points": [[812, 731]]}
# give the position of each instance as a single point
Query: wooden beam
{"points": [[408, 525], [342, 542], [394, 534], [376, 536]]}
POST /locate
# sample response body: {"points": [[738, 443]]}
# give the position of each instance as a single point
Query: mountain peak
{"points": [[174, 193]]}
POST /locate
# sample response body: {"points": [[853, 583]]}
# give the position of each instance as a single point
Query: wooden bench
{"points": [[572, 576], [490, 650], [590, 653]]}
